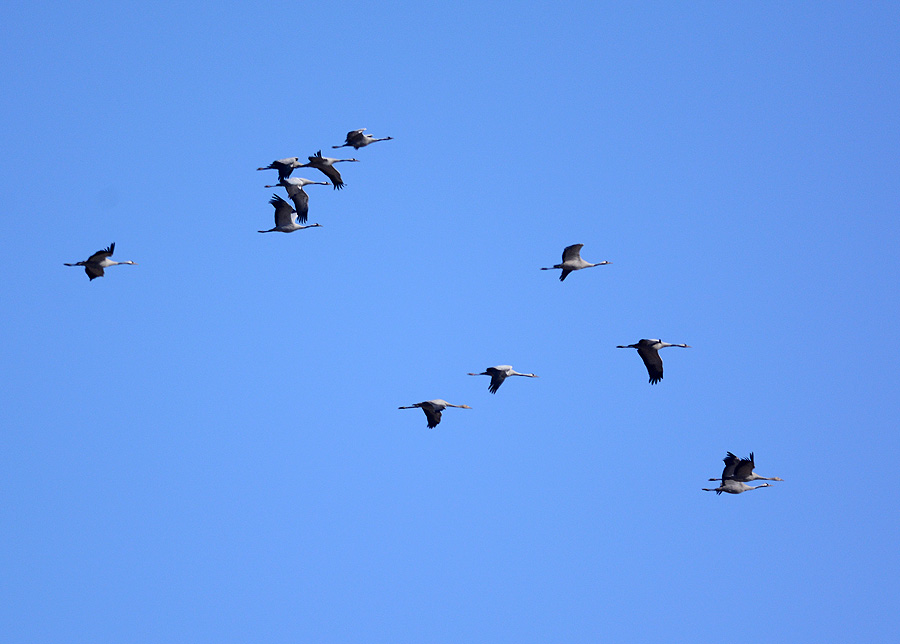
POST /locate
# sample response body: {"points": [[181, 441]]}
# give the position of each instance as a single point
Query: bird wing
{"points": [[743, 469], [653, 363], [565, 273], [331, 172], [433, 416], [100, 255], [284, 214], [497, 378], [730, 461], [285, 167], [93, 270], [572, 253], [301, 200], [355, 137]]}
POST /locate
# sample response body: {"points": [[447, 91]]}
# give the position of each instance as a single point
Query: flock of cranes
{"points": [[289, 219]]}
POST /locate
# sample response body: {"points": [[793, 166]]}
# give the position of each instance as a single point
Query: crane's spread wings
{"points": [[565, 273], [93, 270], [319, 162], [284, 166], [497, 378], [731, 462], [301, 200], [331, 172], [100, 255], [572, 253], [355, 137], [744, 468], [284, 214], [433, 416], [653, 363]]}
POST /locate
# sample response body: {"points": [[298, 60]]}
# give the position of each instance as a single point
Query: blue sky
{"points": [[206, 447]]}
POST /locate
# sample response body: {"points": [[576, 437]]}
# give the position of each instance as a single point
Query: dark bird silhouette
{"points": [[326, 166], [356, 140], [94, 265], [298, 195], [500, 373], [433, 409], [571, 261], [285, 217], [284, 167], [741, 470], [649, 352]]}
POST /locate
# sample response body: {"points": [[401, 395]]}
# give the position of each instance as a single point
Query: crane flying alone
{"points": [[285, 217], [94, 265], [500, 373], [356, 140], [571, 261], [298, 195], [326, 166], [433, 409], [649, 352]]}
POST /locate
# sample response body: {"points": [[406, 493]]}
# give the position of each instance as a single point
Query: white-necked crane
{"points": [[741, 470], [285, 217], [95, 264], [649, 352], [571, 261], [356, 140], [433, 409], [326, 166], [297, 194], [734, 487], [284, 167], [500, 373]]}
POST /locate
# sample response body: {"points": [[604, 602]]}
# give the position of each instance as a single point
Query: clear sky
{"points": [[206, 447]]}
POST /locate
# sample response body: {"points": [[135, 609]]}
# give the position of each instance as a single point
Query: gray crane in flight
{"points": [[297, 194], [571, 261], [285, 217], [500, 373], [326, 166], [357, 139], [94, 265], [284, 167], [433, 409], [648, 350], [741, 470]]}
